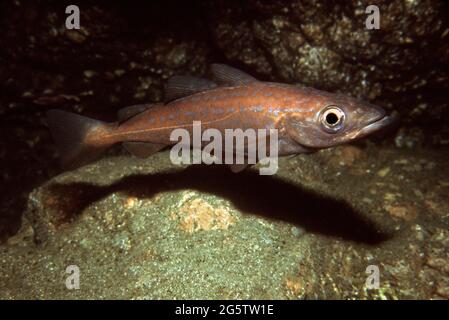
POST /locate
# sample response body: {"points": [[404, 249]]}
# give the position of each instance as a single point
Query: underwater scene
{"points": [[228, 150]]}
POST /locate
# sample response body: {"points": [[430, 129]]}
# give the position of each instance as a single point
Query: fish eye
{"points": [[332, 118]]}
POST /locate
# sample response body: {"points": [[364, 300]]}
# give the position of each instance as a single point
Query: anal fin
{"points": [[142, 149], [238, 167]]}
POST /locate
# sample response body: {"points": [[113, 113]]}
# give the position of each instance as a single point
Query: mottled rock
{"points": [[153, 229], [383, 172], [403, 212], [345, 156], [197, 214], [326, 45]]}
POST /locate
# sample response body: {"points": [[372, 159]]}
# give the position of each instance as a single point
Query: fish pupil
{"points": [[332, 118]]}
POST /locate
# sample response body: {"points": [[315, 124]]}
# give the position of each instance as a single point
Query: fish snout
{"points": [[373, 114], [374, 119]]}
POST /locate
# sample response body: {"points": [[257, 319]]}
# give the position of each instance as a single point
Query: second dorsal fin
{"points": [[227, 75], [183, 86]]}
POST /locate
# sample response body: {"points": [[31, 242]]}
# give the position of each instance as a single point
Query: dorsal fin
{"points": [[183, 86], [129, 112], [227, 75]]}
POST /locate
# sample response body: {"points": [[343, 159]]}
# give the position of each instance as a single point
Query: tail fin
{"points": [[70, 132]]}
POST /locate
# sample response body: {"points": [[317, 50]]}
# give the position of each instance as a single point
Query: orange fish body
{"points": [[306, 119]]}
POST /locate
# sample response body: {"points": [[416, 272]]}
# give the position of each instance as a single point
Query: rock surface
{"points": [[145, 229]]}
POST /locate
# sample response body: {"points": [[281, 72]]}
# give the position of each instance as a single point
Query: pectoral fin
{"points": [[142, 149]]}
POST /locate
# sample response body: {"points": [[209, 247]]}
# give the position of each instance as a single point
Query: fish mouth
{"points": [[375, 125]]}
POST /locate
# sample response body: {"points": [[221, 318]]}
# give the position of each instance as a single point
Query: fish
{"points": [[306, 119]]}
